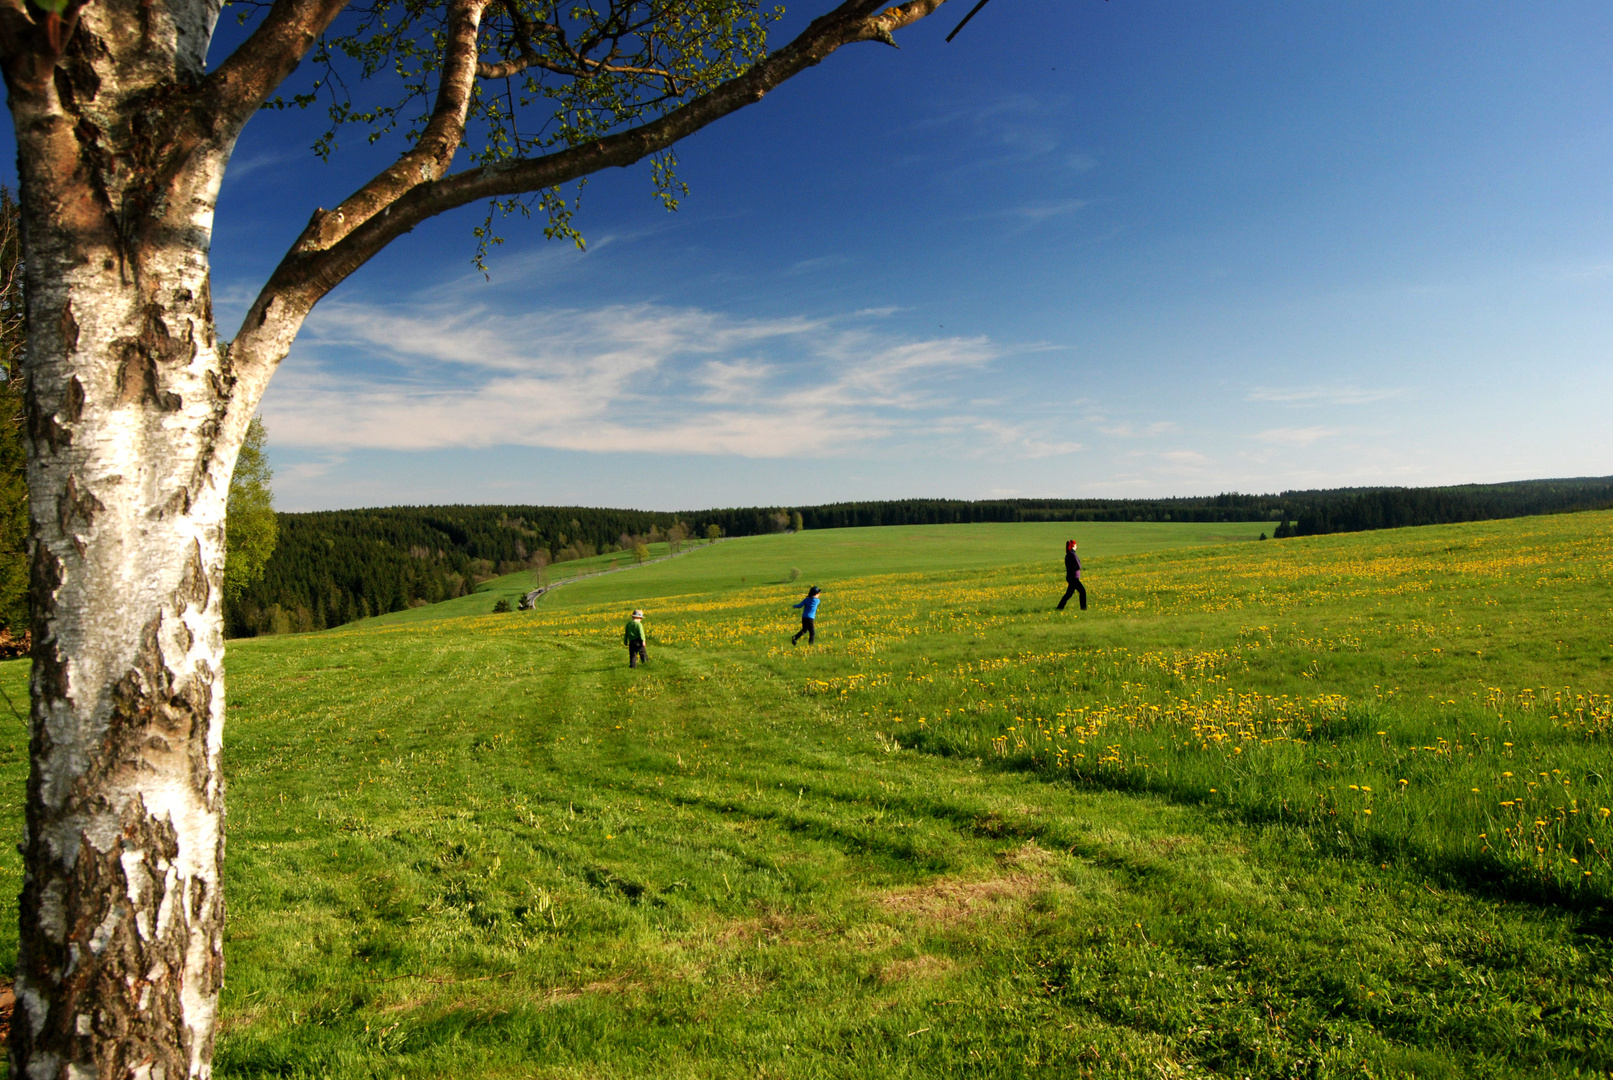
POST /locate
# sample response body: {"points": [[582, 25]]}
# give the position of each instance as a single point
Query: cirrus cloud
{"points": [[1295, 436], [621, 378]]}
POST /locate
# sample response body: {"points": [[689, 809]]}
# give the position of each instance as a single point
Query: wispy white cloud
{"points": [[622, 378], [1035, 213], [1021, 440], [242, 167], [1145, 431], [821, 262], [1006, 130], [1324, 395], [1287, 436], [1581, 271], [304, 471]]}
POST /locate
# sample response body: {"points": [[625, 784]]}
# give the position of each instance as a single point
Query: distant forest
{"points": [[332, 567]]}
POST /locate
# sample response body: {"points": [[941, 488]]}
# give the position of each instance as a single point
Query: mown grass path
{"points": [[484, 846]]}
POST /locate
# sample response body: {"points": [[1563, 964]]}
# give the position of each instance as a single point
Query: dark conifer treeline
{"points": [[1357, 510], [332, 567], [1231, 507]]}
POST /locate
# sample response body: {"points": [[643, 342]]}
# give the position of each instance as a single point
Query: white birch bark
{"points": [[121, 952]]}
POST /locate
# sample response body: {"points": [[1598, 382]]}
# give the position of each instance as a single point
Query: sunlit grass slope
{"points": [[827, 556], [511, 587], [965, 835]]}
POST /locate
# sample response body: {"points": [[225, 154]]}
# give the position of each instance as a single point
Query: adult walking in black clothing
{"points": [[1072, 574]]}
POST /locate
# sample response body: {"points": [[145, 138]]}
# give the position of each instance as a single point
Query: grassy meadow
{"points": [[1334, 806], [836, 553]]}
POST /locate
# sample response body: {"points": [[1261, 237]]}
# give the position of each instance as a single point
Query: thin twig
{"points": [[966, 19]]}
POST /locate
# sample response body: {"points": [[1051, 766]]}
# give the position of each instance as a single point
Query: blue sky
{"points": [[1087, 249]]}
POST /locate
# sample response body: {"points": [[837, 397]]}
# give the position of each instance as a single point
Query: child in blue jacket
{"points": [[809, 616]]}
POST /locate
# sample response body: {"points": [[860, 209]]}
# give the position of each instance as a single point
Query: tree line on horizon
{"points": [[328, 568], [332, 567]]}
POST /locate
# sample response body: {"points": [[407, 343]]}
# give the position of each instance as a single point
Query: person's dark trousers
{"points": [[635, 653], [809, 627], [1075, 587]]}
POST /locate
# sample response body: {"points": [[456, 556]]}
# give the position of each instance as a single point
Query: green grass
{"points": [[831, 556], [483, 846], [511, 587], [827, 555]]}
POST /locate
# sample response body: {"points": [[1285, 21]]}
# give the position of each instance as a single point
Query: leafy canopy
{"points": [[549, 75]]}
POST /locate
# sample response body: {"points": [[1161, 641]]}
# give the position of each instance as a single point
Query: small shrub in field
{"points": [[502, 606], [795, 575]]}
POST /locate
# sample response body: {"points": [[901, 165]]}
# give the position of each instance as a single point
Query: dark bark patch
{"points": [[76, 506], [76, 78], [126, 985], [44, 431], [137, 375], [152, 708], [73, 400], [193, 584], [64, 88], [206, 307], [142, 359], [50, 681], [69, 328], [96, 165], [44, 578]]}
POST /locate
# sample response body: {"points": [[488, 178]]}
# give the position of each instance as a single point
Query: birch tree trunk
{"points": [[121, 951]]}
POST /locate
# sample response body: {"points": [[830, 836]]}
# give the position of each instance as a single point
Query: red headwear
{"points": [[1069, 545]]}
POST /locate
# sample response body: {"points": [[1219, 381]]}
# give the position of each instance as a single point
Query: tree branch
{"points": [[277, 314], [582, 66], [247, 77], [432, 153], [310, 271], [523, 42], [585, 67]]}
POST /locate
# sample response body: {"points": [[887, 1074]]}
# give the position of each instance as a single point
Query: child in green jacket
{"points": [[633, 636]]}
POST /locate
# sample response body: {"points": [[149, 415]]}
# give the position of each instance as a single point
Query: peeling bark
{"points": [[121, 952]]}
